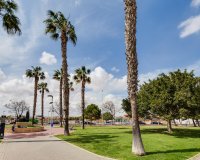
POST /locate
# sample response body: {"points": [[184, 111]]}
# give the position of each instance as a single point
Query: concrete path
{"points": [[197, 157], [42, 146]]}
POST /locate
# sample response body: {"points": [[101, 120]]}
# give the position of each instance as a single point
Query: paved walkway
{"points": [[197, 157], [42, 146]]}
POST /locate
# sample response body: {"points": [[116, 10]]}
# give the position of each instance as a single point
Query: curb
{"points": [[196, 157], [86, 150]]}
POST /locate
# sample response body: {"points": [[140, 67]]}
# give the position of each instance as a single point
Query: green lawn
{"points": [[115, 142]]}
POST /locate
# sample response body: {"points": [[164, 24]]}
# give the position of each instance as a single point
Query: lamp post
{"points": [[102, 107], [51, 109]]}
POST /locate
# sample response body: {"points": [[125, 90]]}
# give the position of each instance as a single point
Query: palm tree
{"points": [[132, 77], [81, 76], [58, 76], [60, 27], [37, 74], [10, 22], [42, 87]]}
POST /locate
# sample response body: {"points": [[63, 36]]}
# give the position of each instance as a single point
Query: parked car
{"points": [[143, 123], [157, 123], [89, 123]]}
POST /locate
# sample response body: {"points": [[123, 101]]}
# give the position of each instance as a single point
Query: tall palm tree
{"points": [[42, 87], [60, 27], [58, 76], [10, 22], [81, 76], [37, 74], [132, 77]]}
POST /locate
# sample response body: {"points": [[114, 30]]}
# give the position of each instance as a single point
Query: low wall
{"points": [[29, 130], [24, 124]]}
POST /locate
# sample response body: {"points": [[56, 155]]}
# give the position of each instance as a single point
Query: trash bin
{"points": [[2, 128]]}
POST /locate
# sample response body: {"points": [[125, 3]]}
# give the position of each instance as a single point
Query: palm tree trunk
{"points": [[35, 99], [194, 123], [132, 77], [83, 104], [65, 82], [169, 126], [42, 102], [61, 109]]}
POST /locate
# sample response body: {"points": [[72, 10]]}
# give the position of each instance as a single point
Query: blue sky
{"points": [[167, 33]]}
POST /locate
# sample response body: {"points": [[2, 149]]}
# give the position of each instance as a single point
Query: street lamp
{"points": [[102, 106], [51, 109]]}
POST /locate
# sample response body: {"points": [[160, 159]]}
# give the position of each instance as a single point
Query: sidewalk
{"points": [[42, 146], [197, 157]]}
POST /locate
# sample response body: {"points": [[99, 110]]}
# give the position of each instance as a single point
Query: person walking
{"points": [[2, 128]]}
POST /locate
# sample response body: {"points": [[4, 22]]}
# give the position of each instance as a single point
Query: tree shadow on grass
{"points": [[97, 138], [177, 132], [175, 151]]}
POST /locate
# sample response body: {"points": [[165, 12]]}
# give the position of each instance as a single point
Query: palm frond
{"points": [[29, 73]]}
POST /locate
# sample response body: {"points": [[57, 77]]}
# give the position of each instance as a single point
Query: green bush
{"points": [[34, 122]]}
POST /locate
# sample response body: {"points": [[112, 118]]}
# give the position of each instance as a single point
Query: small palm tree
{"points": [[10, 22], [58, 76], [81, 76], [61, 28], [37, 74], [132, 77], [42, 87]]}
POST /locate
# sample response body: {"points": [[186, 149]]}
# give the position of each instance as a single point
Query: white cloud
{"points": [[48, 58], [104, 87], [195, 3], [2, 75], [77, 2], [102, 80], [114, 69], [190, 26]]}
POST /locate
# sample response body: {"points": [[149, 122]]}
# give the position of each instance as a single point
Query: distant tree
{"points": [[42, 87], [17, 107], [61, 28], [109, 107], [92, 112], [82, 76], [107, 116], [27, 116], [37, 74], [11, 23]]}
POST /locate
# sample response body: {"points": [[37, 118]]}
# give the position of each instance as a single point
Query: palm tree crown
{"points": [[35, 72], [57, 25], [11, 23], [81, 75], [57, 75], [43, 87]]}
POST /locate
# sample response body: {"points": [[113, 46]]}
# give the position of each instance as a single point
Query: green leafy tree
{"points": [[126, 106], [107, 116], [170, 96], [132, 76], [61, 28], [11, 23], [92, 112], [42, 87], [82, 76], [37, 74]]}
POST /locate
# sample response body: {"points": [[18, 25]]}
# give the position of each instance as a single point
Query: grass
{"points": [[115, 142]]}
